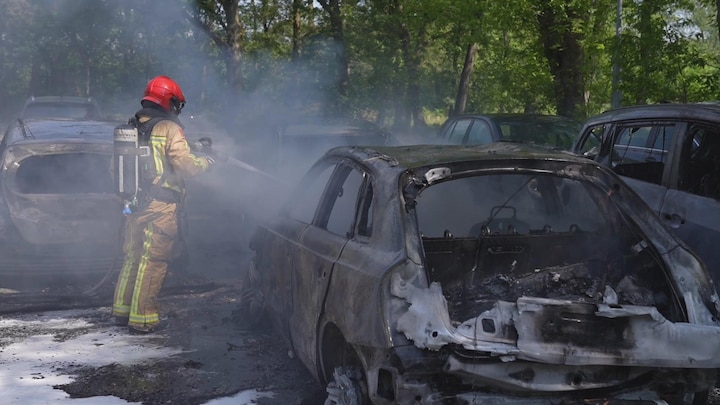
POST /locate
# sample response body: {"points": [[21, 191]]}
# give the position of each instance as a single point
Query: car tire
{"points": [[341, 368], [347, 387]]}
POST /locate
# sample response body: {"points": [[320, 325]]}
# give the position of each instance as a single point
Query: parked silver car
{"points": [[499, 274], [670, 155]]}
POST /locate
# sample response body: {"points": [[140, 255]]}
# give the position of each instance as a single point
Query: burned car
{"points": [[58, 210], [504, 273]]}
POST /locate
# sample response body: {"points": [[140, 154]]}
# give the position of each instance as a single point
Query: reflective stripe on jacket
{"points": [[169, 145]]}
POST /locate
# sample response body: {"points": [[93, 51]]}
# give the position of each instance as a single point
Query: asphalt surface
{"points": [[221, 356]]}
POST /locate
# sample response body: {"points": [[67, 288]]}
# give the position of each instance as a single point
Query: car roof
{"points": [[698, 111], [60, 99], [520, 117], [49, 129], [417, 156], [339, 130]]}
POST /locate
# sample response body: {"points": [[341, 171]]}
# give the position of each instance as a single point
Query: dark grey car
{"points": [[670, 155], [481, 129], [58, 211], [504, 273]]}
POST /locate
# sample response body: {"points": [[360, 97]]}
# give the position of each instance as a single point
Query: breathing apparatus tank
{"points": [[126, 163]]}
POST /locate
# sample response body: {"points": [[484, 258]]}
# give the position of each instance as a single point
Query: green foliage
{"points": [[404, 57]]}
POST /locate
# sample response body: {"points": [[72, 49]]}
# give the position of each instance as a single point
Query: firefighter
{"points": [[151, 227]]}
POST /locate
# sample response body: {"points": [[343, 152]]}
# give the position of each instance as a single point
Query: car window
{"points": [[306, 201], [640, 151], [633, 136], [593, 141], [365, 214], [479, 134], [507, 203], [555, 134], [699, 171], [60, 110], [342, 201], [457, 133]]}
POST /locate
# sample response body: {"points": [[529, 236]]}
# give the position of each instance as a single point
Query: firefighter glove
{"points": [[211, 161]]}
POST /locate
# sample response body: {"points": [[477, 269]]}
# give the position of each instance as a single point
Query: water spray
{"points": [[204, 146]]}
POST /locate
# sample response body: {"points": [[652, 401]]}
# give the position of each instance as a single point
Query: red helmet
{"points": [[163, 91]]}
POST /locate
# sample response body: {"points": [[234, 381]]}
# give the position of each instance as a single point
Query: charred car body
{"points": [[58, 210], [503, 273]]}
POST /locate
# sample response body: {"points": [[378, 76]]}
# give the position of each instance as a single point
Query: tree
{"points": [[220, 20], [561, 37], [333, 8]]}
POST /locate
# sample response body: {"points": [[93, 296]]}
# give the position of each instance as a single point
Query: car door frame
{"points": [[653, 194], [317, 251], [680, 207], [274, 244]]}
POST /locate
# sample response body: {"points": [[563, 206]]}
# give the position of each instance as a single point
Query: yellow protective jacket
{"points": [[169, 146]]}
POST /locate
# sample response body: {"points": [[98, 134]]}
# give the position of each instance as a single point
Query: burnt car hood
{"points": [[60, 192]]}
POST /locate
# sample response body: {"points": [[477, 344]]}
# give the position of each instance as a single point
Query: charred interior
{"points": [[502, 237], [66, 173]]}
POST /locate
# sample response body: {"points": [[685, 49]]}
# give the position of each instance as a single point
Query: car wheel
{"points": [[347, 387], [252, 301], [341, 368]]}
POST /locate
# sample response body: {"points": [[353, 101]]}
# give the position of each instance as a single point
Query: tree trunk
{"points": [[565, 57], [332, 7], [464, 85], [235, 33], [717, 15], [296, 20]]}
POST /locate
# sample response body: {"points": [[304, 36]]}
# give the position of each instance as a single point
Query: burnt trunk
{"points": [[475, 273]]}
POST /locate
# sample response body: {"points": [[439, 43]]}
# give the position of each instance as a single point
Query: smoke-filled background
{"points": [[248, 68]]}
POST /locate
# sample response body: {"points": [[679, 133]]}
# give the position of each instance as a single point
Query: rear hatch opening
{"points": [[539, 284]]}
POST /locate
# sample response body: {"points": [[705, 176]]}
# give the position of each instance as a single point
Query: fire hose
{"points": [[204, 146]]}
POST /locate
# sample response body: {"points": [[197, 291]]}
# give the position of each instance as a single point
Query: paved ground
{"points": [[219, 356]]}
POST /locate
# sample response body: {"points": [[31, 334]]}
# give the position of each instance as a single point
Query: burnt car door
{"points": [[275, 244], [692, 204], [318, 247]]}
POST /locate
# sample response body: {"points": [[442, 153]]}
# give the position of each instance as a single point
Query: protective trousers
{"points": [[149, 238]]}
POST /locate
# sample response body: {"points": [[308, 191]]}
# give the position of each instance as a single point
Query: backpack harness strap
{"points": [[153, 191]]}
